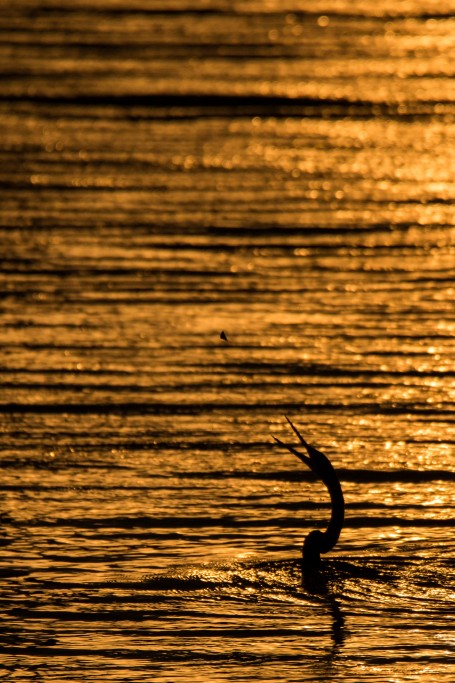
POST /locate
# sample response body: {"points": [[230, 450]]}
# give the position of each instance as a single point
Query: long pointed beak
{"points": [[314, 456], [301, 457], [297, 433], [311, 450]]}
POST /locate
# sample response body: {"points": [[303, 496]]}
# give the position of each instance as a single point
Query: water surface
{"points": [[169, 172]]}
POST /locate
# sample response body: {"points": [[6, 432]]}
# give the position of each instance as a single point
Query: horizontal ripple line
{"points": [[146, 522], [138, 408], [360, 475], [239, 105]]}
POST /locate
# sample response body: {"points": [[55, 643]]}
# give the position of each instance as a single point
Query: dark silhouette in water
{"points": [[318, 542]]}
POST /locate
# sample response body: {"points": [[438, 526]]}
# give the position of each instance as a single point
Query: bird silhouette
{"points": [[318, 542]]}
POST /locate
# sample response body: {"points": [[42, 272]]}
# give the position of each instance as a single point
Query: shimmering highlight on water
{"points": [[170, 172]]}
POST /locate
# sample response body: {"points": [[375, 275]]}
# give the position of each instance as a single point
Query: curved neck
{"points": [[332, 533]]}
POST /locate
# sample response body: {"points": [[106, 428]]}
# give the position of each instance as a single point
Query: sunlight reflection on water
{"points": [[283, 176]]}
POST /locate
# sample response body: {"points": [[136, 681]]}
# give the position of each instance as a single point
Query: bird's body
{"points": [[318, 542]]}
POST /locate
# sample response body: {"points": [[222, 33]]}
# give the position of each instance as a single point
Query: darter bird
{"points": [[318, 542]]}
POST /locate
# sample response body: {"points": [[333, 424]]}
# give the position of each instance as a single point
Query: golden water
{"points": [[169, 171]]}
